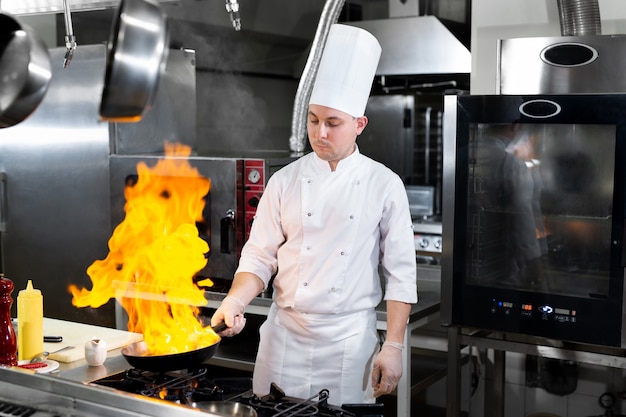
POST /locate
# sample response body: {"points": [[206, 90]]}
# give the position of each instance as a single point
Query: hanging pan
{"points": [[25, 71], [136, 56]]}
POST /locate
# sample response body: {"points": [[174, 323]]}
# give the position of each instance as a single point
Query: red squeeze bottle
{"points": [[8, 341]]}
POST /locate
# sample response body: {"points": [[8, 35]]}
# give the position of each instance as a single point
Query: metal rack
{"points": [[500, 343]]}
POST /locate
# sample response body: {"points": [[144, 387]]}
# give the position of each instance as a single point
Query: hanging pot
{"points": [[136, 56], [25, 71]]}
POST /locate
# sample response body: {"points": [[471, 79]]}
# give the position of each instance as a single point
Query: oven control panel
{"points": [[254, 185], [428, 243], [428, 237], [250, 186]]}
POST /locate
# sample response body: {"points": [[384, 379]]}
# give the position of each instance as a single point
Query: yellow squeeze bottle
{"points": [[29, 322]]}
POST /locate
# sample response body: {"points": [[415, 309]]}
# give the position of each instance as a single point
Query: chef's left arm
{"points": [[388, 364], [397, 247]]}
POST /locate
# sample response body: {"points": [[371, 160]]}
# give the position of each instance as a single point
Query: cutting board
{"points": [[76, 334]]}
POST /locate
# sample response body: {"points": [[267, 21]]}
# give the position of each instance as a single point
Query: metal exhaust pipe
{"points": [[579, 17], [330, 15]]}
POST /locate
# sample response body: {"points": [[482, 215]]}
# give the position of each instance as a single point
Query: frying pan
{"points": [[25, 71], [136, 58], [138, 356]]}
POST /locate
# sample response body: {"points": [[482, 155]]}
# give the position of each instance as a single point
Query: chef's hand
{"points": [[231, 313], [387, 369]]}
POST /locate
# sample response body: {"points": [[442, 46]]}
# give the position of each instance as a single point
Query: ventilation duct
{"points": [[579, 17], [330, 14]]}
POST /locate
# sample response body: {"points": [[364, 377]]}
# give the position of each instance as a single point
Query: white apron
{"points": [[304, 353]]}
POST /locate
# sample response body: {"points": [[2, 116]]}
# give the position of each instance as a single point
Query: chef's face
{"points": [[332, 133]]}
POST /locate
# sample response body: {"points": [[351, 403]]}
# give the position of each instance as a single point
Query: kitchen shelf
{"points": [[427, 367]]}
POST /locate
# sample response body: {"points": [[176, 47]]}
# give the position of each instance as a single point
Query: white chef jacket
{"points": [[326, 232], [320, 229]]}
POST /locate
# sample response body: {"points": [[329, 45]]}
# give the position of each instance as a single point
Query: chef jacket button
{"points": [[342, 253], [308, 248], [351, 216], [333, 289], [309, 214], [308, 181], [305, 284]]}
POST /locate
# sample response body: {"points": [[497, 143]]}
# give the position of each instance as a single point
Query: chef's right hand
{"points": [[231, 313]]}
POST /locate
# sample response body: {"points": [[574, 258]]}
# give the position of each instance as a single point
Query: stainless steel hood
{"points": [[582, 61], [417, 45]]}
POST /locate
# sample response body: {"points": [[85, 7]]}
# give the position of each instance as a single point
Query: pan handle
{"points": [[219, 327]]}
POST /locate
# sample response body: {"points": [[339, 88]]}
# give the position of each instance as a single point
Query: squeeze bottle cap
{"points": [[30, 291]]}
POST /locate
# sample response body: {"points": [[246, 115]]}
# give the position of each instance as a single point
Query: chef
{"points": [[325, 225]]}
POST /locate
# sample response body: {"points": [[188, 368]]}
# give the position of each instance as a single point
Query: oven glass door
{"points": [[539, 216]]}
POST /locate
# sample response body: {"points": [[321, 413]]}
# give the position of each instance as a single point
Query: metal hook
{"points": [[70, 39], [232, 7]]}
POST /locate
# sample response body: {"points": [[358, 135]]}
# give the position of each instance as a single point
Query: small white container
{"points": [[95, 351]]}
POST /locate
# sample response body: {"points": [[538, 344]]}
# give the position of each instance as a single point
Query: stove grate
{"points": [[7, 409]]}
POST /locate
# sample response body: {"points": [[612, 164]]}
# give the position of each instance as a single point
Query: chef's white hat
{"points": [[346, 70]]}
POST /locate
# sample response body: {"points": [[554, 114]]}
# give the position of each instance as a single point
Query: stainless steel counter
{"points": [[429, 294], [68, 391]]}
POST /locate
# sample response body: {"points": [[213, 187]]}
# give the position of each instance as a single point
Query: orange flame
{"points": [[154, 254]]}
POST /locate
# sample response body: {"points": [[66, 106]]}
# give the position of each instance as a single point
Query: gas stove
{"points": [[276, 403], [197, 386]]}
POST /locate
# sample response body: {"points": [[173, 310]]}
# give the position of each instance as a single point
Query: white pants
{"points": [[302, 361]]}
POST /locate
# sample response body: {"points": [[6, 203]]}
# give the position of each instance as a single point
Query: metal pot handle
{"points": [[70, 39]]}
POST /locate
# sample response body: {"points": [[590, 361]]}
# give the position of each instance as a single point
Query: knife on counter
{"points": [[53, 339]]}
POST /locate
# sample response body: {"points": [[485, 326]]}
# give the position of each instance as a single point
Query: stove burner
{"points": [[293, 410], [277, 404], [185, 383], [187, 387], [284, 406], [183, 386]]}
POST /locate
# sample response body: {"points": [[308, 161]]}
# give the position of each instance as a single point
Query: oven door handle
{"points": [[227, 224]]}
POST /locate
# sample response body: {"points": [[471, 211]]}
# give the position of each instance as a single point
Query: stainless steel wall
{"points": [[57, 191]]}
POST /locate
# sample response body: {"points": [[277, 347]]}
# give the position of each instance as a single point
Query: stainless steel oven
{"points": [[237, 184], [533, 215]]}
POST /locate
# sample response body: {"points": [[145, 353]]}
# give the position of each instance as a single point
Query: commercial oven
{"points": [[237, 184], [533, 215]]}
